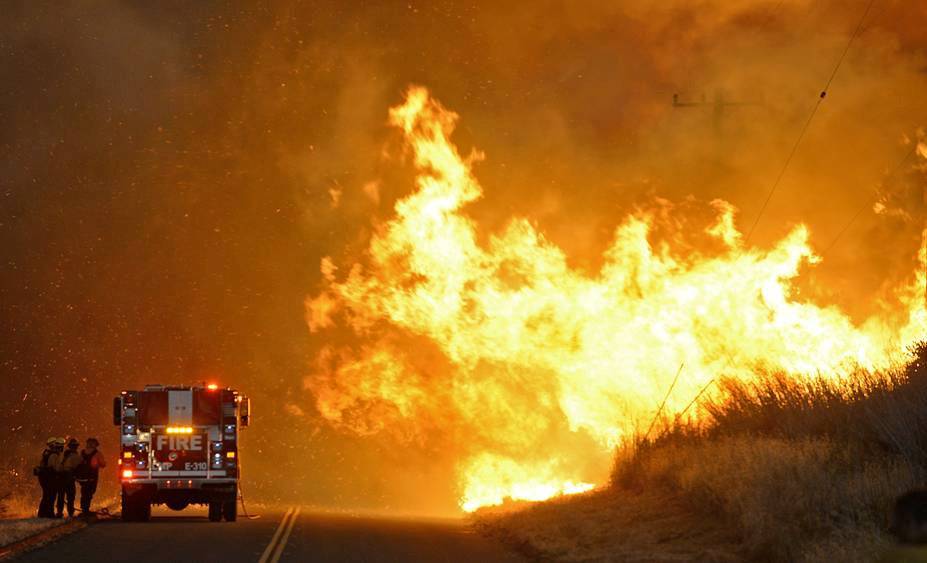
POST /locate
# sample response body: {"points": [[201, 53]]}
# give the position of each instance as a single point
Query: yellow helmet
{"points": [[59, 441], [50, 441]]}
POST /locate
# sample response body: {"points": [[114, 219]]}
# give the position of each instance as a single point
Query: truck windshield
{"points": [[152, 408], [206, 407]]}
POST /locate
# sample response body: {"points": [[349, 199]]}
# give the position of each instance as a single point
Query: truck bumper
{"points": [[192, 491], [179, 483]]}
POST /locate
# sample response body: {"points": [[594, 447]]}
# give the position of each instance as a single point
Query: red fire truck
{"points": [[180, 447]]}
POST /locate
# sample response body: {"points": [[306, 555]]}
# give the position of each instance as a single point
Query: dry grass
{"points": [[18, 506], [613, 525], [17, 509], [18, 496], [783, 470], [791, 499]]}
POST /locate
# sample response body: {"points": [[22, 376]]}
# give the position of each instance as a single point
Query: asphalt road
{"points": [[294, 535]]}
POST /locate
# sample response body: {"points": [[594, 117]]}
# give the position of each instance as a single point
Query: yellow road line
{"points": [[265, 557], [286, 535]]}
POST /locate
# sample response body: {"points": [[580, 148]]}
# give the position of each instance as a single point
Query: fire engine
{"points": [[180, 447]]}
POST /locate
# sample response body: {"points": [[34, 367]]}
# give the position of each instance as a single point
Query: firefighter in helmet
{"points": [[67, 465], [46, 471]]}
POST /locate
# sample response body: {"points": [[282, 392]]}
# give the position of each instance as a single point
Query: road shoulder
{"points": [[28, 534]]}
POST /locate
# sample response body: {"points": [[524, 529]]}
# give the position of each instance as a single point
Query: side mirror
{"points": [[117, 411], [245, 412]]}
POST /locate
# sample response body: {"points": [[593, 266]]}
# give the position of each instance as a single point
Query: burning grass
{"points": [[18, 495], [783, 469]]}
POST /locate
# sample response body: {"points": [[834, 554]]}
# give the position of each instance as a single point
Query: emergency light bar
{"points": [[178, 430]]}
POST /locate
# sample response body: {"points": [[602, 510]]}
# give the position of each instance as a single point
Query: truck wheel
{"points": [[144, 511], [130, 510], [215, 511], [230, 510]]}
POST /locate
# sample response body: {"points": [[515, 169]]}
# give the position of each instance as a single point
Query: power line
{"points": [[693, 401], [784, 168], [869, 201], [775, 186], [804, 129], [859, 26], [713, 380], [663, 404]]}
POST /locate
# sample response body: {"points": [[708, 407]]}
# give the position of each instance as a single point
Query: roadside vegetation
{"points": [[17, 509], [16, 498], [779, 470]]}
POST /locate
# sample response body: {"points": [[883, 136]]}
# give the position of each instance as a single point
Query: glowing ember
{"points": [[531, 371]]}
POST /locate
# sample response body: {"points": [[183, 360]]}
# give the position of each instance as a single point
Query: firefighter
{"points": [[46, 472], [54, 476], [88, 473], [67, 464]]}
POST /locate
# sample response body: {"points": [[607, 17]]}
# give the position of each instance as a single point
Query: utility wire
{"points": [[775, 186], [869, 201], [693, 401], [804, 129], [663, 404], [846, 49], [784, 167]]}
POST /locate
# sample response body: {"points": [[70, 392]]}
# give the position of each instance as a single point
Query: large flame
{"points": [[532, 370]]}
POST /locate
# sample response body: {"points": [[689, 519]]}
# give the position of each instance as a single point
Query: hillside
{"points": [[778, 470]]}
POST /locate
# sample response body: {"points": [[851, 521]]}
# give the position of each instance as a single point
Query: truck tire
{"points": [[135, 510], [215, 511], [130, 510], [230, 510], [144, 512]]}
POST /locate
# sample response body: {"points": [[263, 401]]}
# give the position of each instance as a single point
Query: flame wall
{"points": [[538, 369]]}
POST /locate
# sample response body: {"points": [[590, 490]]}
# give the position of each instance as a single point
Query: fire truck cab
{"points": [[180, 446]]}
